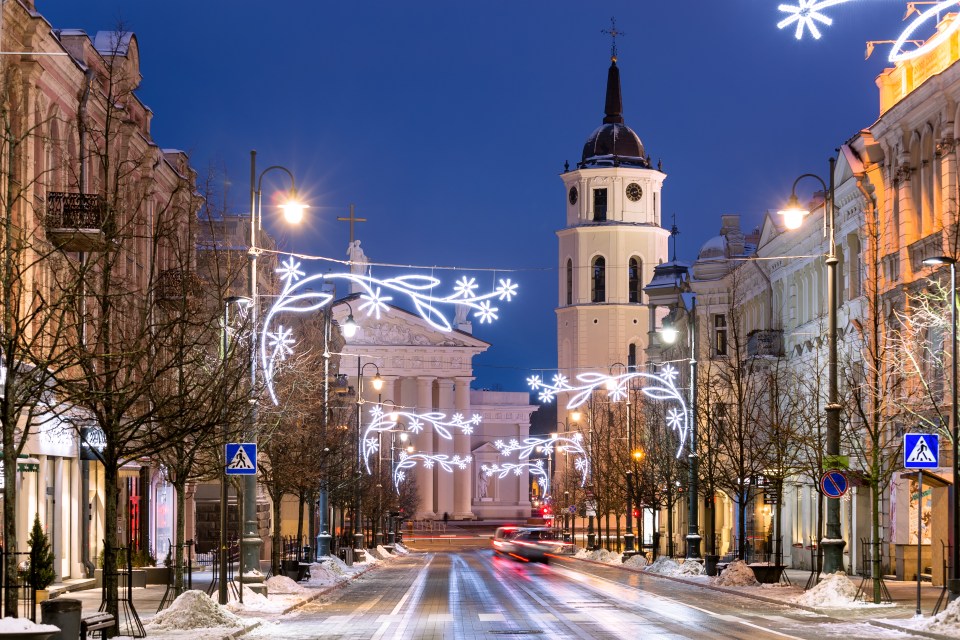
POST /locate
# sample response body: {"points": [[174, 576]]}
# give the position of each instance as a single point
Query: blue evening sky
{"points": [[447, 122]]}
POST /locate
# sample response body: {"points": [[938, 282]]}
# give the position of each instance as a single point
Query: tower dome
{"points": [[613, 143]]}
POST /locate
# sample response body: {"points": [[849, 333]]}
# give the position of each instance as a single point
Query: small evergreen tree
{"points": [[42, 573]]}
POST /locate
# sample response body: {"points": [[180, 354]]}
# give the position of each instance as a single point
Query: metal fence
{"points": [[18, 590]]}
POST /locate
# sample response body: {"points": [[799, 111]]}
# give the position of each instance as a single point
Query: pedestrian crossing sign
{"points": [[921, 451], [241, 459]]}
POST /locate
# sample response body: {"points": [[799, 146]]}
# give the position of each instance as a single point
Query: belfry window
{"points": [[599, 288], [634, 277], [599, 205], [569, 281]]}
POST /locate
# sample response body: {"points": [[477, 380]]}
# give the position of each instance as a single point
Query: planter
{"points": [[158, 575], [41, 595], [767, 573], [139, 578]]}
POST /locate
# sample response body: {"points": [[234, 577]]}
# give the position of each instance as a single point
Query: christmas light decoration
{"points": [[807, 13], [534, 468], [411, 460], [561, 444], [298, 296], [413, 423], [662, 386]]}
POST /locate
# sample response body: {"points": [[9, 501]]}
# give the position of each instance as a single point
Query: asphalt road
{"points": [[470, 593]]}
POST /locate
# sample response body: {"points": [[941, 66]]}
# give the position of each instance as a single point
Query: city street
{"points": [[469, 593]]}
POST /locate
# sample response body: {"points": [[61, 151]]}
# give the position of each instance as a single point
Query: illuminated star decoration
{"points": [[807, 13], [534, 468], [388, 420], [410, 460], [662, 386], [560, 444], [299, 296]]}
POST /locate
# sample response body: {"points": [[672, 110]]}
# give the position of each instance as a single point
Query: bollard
{"points": [[63, 613]]}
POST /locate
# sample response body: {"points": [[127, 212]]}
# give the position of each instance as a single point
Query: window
{"points": [[569, 281], [719, 335], [632, 357], [634, 276], [599, 288], [599, 205]]}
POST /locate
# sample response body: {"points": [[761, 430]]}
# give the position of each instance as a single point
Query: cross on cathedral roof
{"points": [[613, 32]]}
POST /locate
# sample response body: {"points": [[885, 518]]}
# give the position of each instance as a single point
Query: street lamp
{"points": [[628, 538], [225, 347], [377, 385], [793, 216], [669, 334], [293, 213], [953, 584]]}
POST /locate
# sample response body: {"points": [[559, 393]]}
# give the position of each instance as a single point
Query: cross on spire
{"points": [[351, 219], [613, 32]]}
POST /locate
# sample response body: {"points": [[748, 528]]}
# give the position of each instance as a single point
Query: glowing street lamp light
{"points": [[793, 214]]}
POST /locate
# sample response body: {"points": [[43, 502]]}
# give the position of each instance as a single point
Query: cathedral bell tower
{"points": [[609, 246]]}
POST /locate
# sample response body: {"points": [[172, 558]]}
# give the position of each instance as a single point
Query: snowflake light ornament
{"points": [[506, 468], [397, 419], [409, 461], [304, 294], [806, 14], [662, 386], [561, 444]]}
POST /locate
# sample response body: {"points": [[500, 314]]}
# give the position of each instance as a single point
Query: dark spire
{"points": [[614, 108]]}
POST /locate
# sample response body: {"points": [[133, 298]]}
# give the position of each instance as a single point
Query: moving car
{"points": [[535, 544], [501, 539]]}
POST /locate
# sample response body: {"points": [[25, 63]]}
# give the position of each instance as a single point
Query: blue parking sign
{"points": [[921, 451]]}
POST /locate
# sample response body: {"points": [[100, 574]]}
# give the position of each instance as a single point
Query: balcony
{"points": [[77, 221], [765, 343], [176, 284]]}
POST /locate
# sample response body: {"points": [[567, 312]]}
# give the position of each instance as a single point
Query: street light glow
{"points": [[293, 209], [793, 214], [669, 333]]}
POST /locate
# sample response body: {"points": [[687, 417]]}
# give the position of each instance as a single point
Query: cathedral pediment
{"points": [[400, 328]]}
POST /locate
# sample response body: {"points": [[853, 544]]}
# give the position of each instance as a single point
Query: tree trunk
{"points": [[742, 525], [300, 505], [875, 531], [111, 477], [180, 536], [275, 566], [10, 521]]}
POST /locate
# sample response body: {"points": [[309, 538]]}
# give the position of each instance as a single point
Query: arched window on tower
{"points": [[632, 357], [569, 281], [599, 280], [635, 279]]}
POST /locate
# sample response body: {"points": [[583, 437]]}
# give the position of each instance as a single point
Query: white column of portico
{"points": [[445, 485], [424, 444], [463, 480]]}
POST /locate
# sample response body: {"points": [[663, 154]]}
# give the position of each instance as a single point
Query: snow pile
{"points": [[399, 549], [664, 565], [326, 573], [834, 591], [383, 552], [21, 625], [283, 584], [690, 568], [946, 622], [253, 601], [737, 574], [599, 555], [638, 561], [193, 610]]}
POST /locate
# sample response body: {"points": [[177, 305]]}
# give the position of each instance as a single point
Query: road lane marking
{"points": [[491, 617], [413, 593]]}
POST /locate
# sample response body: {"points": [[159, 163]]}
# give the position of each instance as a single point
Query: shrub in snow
{"points": [[193, 610], [737, 574], [638, 561], [834, 591], [946, 622], [283, 584], [664, 565]]}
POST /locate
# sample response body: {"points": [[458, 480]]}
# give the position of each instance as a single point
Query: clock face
{"points": [[573, 195], [634, 192]]}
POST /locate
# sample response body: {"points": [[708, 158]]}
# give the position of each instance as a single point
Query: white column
{"points": [[424, 444], [445, 486], [463, 480]]}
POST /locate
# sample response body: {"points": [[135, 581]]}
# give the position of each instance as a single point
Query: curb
{"points": [[875, 623]]}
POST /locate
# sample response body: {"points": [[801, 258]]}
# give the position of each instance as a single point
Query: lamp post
{"points": [[628, 538], [953, 584], [377, 385], [225, 347], [669, 334], [293, 213], [792, 217]]}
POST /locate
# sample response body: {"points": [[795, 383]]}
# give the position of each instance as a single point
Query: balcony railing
{"points": [[176, 284], [77, 221]]}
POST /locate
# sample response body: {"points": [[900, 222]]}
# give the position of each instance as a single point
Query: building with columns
{"points": [[425, 370]]}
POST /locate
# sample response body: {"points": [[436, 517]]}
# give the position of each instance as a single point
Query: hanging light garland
{"points": [[277, 342], [411, 460], [561, 444], [662, 386], [534, 468], [414, 423]]}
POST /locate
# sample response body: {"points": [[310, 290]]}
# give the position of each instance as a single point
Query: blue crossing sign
{"points": [[241, 459], [834, 484], [921, 450]]}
